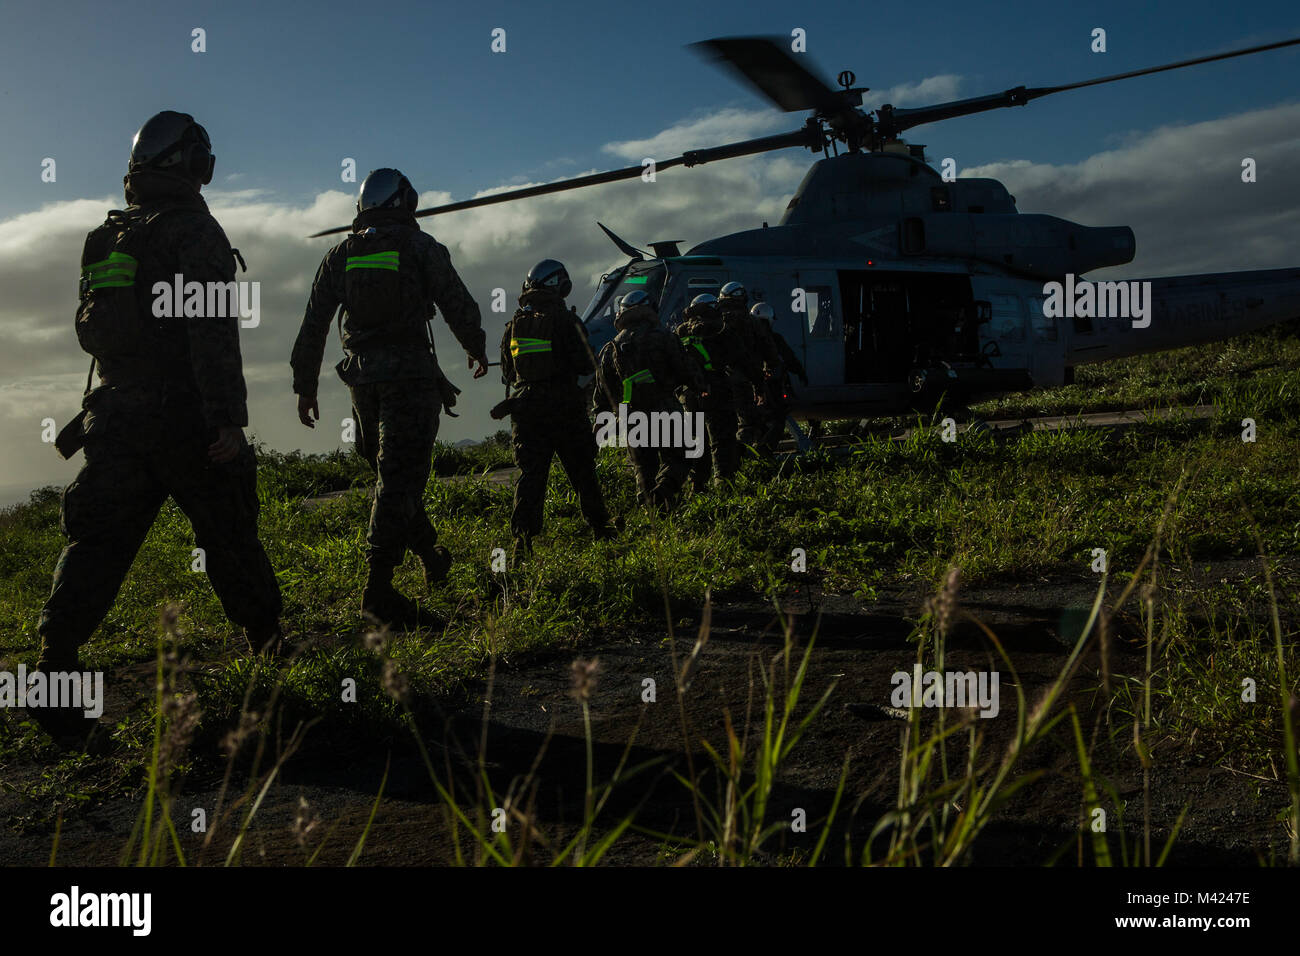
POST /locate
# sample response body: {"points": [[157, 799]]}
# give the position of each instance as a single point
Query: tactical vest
{"points": [[705, 344], [113, 317], [633, 371], [380, 285], [533, 334]]}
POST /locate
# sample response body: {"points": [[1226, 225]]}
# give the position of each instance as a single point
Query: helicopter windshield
{"points": [[647, 275]]}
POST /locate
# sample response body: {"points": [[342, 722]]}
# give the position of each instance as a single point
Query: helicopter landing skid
{"points": [[803, 440]]}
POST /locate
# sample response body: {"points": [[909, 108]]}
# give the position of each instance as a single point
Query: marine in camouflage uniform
{"points": [[704, 334], [643, 367], [544, 350], [778, 387], [757, 357], [166, 419], [390, 278]]}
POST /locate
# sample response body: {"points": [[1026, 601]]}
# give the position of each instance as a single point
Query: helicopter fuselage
{"points": [[893, 286]]}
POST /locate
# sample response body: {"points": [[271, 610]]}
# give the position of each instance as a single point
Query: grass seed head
{"points": [[182, 715], [944, 604], [395, 682], [304, 821], [168, 618], [376, 641], [584, 678], [231, 743]]}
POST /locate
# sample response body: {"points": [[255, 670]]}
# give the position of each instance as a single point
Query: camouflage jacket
{"points": [[724, 352], [570, 350], [754, 346], [186, 360], [642, 346], [790, 363], [405, 350]]}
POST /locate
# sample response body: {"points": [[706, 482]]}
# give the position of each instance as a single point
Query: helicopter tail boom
{"points": [[1190, 310]]}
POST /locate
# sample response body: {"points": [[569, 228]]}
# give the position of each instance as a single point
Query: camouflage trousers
{"points": [[136, 457], [723, 457], [749, 416], [397, 424], [660, 472], [540, 429], [777, 402]]}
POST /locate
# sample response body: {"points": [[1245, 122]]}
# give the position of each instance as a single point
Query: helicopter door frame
{"points": [[821, 328], [1048, 340]]}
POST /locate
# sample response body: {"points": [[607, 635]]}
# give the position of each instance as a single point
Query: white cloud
{"points": [[1179, 187], [927, 92], [716, 129]]}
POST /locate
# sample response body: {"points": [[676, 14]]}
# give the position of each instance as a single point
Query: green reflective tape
{"points": [[527, 346], [645, 376], [115, 259], [117, 271], [635, 280], [376, 260], [691, 340]]}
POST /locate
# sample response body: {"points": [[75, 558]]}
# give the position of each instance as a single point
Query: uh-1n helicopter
{"points": [[894, 284]]}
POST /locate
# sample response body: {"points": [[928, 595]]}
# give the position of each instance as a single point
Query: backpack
{"points": [[110, 319], [704, 344], [379, 287], [532, 338], [630, 362]]}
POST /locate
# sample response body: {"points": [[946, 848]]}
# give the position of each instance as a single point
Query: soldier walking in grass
{"points": [[778, 392], [716, 354], [755, 352], [544, 351], [390, 277], [168, 415], [642, 368]]}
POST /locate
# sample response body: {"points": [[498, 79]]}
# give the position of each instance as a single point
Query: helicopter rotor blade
{"points": [[774, 73], [894, 121], [808, 135]]}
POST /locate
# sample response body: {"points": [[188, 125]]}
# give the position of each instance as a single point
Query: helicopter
{"points": [[896, 285]]}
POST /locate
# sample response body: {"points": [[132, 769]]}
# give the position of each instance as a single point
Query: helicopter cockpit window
{"points": [[1008, 323], [618, 284], [821, 318]]}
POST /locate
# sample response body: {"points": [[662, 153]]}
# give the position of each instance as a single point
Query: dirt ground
{"points": [[534, 732]]}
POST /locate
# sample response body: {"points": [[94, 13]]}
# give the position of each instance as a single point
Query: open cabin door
{"points": [[820, 343]]}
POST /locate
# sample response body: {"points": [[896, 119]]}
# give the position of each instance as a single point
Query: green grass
{"points": [[1017, 509]]}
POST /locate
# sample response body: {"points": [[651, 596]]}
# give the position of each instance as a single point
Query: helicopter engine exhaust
{"points": [[1043, 247]]}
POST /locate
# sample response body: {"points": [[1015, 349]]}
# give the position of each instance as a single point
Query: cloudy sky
{"points": [[288, 96]]}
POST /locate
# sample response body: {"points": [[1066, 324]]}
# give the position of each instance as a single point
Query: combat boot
{"points": [[436, 563], [523, 546], [70, 729], [265, 639], [390, 607]]}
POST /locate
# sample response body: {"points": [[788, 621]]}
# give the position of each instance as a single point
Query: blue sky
{"points": [[288, 91]]}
